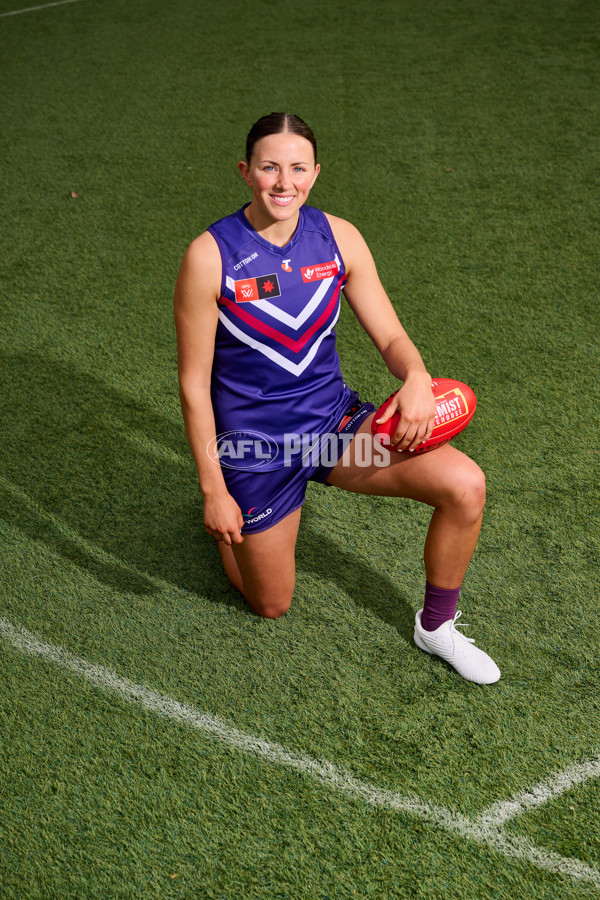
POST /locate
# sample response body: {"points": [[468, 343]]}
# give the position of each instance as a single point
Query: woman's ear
{"points": [[245, 170]]}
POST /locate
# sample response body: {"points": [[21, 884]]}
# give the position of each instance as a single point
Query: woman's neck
{"points": [[277, 233]]}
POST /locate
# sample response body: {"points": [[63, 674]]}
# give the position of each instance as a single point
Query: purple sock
{"points": [[439, 606]]}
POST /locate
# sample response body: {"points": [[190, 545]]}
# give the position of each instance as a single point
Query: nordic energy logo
{"points": [[242, 449]]}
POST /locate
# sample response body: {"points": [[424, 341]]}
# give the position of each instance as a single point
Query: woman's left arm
{"points": [[373, 309]]}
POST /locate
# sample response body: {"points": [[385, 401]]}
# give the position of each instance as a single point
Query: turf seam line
{"points": [[485, 829], [17, 12], [87, 546], [141, 441]]}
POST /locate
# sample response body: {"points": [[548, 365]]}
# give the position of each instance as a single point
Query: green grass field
{"points": [[156, 738]]}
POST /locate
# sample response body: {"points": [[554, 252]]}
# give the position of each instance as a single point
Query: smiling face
{"points": [[281, 172]]}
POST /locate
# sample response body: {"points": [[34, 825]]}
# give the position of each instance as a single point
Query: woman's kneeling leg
{"points": [[263, 566]]}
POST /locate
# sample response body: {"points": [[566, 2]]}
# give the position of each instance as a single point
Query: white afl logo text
{"points": [[242, 449]]}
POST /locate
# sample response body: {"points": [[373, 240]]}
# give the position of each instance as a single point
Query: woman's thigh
{"points": [[440, 476], [266, 565]]}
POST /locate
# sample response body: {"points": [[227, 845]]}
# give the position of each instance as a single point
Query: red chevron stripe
{"points": [[294, 345]]}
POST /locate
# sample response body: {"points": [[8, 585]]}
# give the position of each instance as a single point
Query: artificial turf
{"points": [[462, 140]]}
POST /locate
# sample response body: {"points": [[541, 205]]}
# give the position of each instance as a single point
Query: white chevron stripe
{"points": [[285, 318], [295, 368]]}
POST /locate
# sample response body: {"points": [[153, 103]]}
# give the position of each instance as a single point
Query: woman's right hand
{"points": [[223, 519]]}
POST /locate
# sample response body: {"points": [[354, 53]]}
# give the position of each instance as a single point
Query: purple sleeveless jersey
{"points": [[276, 370]]}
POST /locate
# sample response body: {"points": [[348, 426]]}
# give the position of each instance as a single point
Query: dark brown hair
{"points": [[278, 123]]}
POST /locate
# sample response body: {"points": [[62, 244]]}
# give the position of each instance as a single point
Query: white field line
{"points": [[17, 12], [326, 773], [499, 813]]}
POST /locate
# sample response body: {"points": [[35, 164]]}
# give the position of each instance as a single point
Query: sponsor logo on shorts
{"points": [[263, 515], [261, 288], [316, 273]]}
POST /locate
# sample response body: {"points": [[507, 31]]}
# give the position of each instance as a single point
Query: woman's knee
{"points": [[270, 607], [470, 489], [269, 603]]}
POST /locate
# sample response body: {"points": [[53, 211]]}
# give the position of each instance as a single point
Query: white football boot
{"points": [[458, 650]]}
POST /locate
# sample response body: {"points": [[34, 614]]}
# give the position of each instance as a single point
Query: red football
{"points": [[455, 405]]}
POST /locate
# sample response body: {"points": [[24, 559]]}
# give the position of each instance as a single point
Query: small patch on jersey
{"points": [[316, 273], [285, 265], [262, 288]]}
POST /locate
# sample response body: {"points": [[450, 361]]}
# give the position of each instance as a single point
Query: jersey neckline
{"points": [[274, 248]]}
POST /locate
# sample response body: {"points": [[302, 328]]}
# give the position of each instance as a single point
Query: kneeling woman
{"points": [[256, 303]]}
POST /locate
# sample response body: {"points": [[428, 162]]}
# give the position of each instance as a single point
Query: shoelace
{"points": [[453, 627]]}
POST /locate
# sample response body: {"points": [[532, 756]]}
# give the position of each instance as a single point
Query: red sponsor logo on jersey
{"points": [[260, 288], [321, 270]]}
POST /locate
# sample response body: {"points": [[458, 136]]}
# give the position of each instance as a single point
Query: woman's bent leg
{"points": [[454, 486], [263, 566], [445, 479]]}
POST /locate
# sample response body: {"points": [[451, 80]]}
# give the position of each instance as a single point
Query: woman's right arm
{"points": [[196, 315]]}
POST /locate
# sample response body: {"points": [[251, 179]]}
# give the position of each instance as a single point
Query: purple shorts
{"points": [[266, 498]]}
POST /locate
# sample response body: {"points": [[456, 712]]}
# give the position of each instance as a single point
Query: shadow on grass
{"points": [[109, 484], [366, 585]]}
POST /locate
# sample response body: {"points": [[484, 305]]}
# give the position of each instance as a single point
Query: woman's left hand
{"points": [[416, 406]]}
